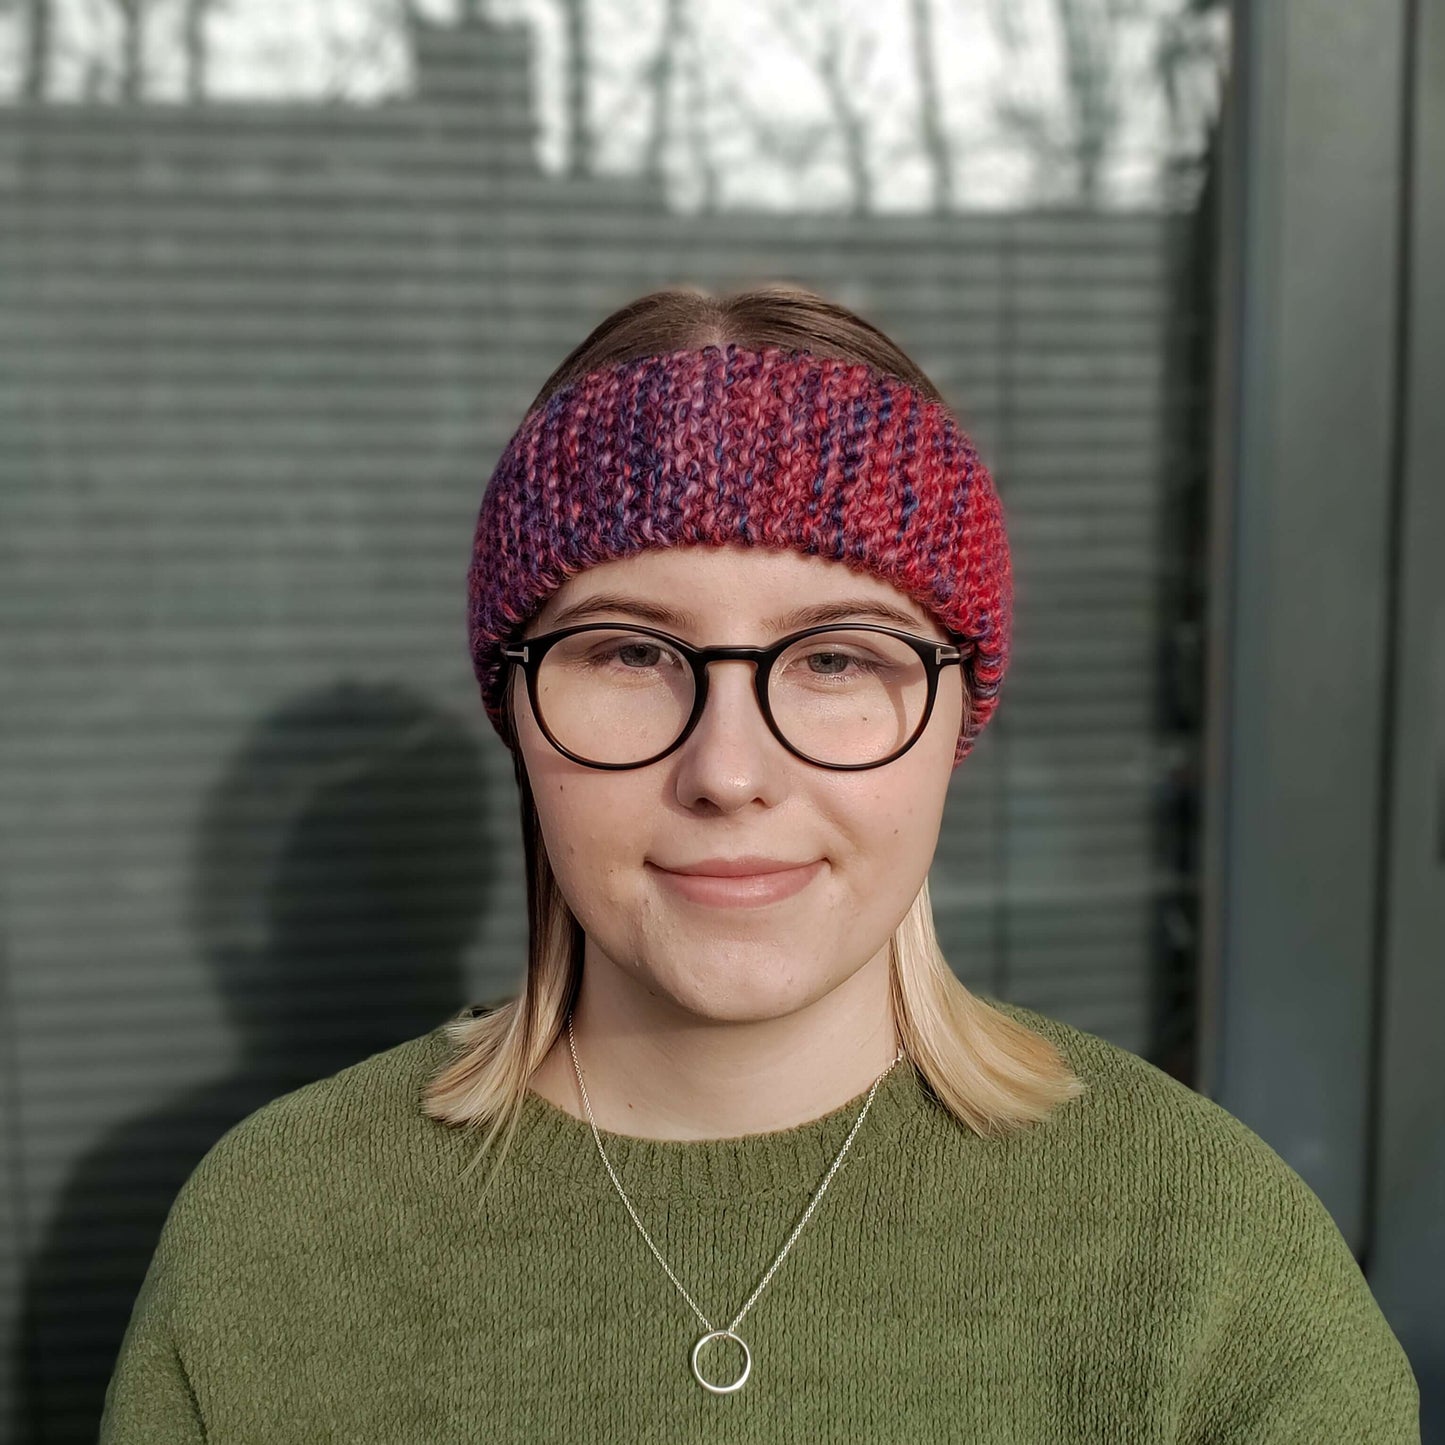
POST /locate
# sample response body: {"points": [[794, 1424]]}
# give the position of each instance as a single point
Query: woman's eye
{"points": [[637, 655], [838, 664]]}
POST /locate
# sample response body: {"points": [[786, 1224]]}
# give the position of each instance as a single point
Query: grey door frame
{"points": [[1324, 820], [1406, 1256], [1305, 457]]}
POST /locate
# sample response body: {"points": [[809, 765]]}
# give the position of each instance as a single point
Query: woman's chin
{"points": [[737, 998]]}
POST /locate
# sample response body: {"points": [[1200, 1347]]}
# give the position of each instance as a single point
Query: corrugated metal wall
{"points": [[255, 366]]}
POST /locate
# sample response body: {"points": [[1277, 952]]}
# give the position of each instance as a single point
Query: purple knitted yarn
{"points": [[770, 448]]}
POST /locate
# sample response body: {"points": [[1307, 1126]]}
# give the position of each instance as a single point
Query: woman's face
{"points": [[732, 789]]}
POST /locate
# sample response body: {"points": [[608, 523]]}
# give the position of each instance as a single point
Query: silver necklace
{"points": [[730, 1333]]}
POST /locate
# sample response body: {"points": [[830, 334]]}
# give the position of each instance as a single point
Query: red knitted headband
{"points": [[769, 447]]}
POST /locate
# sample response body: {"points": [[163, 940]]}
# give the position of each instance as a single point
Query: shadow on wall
{"points": [[340, 872]]}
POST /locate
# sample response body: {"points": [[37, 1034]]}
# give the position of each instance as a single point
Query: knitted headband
{"points": [[769, 447]]}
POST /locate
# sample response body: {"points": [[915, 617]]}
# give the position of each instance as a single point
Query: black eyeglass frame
{"points": [[934, 655]]}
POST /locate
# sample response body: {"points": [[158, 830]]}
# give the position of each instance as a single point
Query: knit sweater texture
{"points": [[1139, 1268]]}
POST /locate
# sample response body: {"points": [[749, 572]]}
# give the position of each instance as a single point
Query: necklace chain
{"points": [[782, 1253]]}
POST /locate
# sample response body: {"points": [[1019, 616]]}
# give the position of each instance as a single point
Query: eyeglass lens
{"points": [[615, 696]]}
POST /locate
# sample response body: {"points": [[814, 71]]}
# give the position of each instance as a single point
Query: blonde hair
{"points": [[994, 1075]]}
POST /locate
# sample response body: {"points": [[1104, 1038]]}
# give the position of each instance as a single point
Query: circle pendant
{"points": [[747, 1362]]}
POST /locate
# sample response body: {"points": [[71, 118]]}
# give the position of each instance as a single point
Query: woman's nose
{"points": [[731, 750]]}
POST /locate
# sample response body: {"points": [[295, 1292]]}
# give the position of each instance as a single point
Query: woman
{"points": [[758, 1167]]}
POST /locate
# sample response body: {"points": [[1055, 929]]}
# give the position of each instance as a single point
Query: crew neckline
{"points": [[554, 1142]]}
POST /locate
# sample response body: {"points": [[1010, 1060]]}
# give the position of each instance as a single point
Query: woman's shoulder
{"points": [[1158, 1193], [347, 1134], [1140, 1134], [1129, 1098]]}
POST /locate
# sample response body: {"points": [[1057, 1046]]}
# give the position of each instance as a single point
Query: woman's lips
{"points": [[754, 890]]}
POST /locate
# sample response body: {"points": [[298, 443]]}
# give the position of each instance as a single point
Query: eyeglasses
{"points": [[610, 695]]}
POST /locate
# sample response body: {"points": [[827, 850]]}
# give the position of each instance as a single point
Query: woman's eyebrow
{"points": [[845, 609]]}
